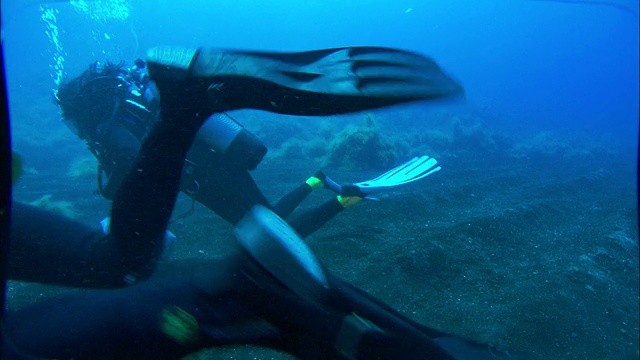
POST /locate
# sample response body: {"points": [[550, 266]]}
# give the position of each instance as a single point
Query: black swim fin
{"points": [[315, 83]]}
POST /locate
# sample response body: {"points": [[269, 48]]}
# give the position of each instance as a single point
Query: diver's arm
{"points": [[62, 251], [65, 252]]}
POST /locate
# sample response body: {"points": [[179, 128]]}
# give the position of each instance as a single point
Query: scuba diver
{"points": [[273, 292], [113, 108]]}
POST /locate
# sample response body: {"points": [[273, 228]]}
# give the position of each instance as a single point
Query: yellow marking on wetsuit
{"points": [[179, 325], [347, 201], [314, 183]]}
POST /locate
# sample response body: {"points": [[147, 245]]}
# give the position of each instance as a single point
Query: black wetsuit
{"points": [[224, 301], [227, 302], [211, 178]]}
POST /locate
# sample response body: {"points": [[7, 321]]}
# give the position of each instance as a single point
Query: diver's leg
{"points": [[227, 190], [310, 221], [440, 345], [90, 324], [315, 83], [352, 193], [157, 319], [53, 249], [366, 328], [290, 201], [143, 205], [221, 303], [314, 330], [316, 218], [227, 302], [230, 191]]}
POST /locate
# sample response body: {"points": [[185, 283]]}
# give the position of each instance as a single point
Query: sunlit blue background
{"points": [[531, 64]]}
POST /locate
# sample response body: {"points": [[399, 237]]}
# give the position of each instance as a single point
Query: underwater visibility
{"points": [[320, 180]]}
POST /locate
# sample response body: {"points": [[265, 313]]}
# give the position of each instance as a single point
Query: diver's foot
{"points": [[171, 63], [273, 244], [314, 83], [349, 190], [320, 180], [185, 101]]}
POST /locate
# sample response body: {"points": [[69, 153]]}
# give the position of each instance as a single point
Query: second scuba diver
{"points": [[113, 108]]}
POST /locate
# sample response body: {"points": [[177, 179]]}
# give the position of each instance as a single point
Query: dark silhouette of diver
{"points": [[113, 108], [273, 292]]}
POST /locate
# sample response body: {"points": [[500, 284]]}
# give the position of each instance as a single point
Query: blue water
{"points": [[534, 64], [544, 146]]}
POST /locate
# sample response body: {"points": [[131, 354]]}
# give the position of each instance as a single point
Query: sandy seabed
{"points": [[535, 254]]}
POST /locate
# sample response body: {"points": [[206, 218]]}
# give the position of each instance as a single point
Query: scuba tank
{"points": [[220, 132], [230, 139]]}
